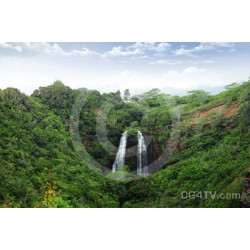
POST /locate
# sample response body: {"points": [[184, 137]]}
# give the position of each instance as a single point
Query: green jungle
{"points": [[42, 167]]}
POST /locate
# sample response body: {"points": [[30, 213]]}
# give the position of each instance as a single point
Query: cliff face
{"points": [[132, 147], [246, 191], [153, 149]]}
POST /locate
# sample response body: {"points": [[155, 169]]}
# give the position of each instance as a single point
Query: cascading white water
{"points": [[142, 168], [120, 156]]}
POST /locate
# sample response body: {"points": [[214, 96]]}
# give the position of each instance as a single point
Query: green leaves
{"points": [[36, 145], [34, 142]]}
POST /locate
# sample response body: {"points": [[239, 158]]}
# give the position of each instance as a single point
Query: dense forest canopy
{"points": [[40, 167]]}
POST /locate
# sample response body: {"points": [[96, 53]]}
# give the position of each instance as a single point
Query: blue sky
{"points": [[173, 67]]}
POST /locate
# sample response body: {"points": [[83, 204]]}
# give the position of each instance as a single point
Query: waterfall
{"points": [[120, 156], [142, 168]]}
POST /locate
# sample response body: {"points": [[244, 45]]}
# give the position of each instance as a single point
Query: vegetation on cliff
{"points": [[39, 166]]}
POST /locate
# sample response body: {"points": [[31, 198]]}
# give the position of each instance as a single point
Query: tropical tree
{"points": [[126, 96]]}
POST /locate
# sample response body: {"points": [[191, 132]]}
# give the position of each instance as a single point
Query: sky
{"points": [[175, 68]]}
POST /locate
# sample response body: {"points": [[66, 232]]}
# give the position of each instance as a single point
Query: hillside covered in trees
{"points": [[41, 166]]}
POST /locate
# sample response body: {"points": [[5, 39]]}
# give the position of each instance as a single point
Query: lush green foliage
{"points": [[39, 166], [34, 141]]}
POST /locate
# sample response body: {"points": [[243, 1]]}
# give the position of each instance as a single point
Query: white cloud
{"points": [[162, 46], [138, 82], [169, 62], [41, 48], [46, 48], [28, 73], [190, 77], [189, 70], [187, 79], [137, 49], [83, 52], [9, 46], [119, 51], [201, 47], [150, 46]]}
